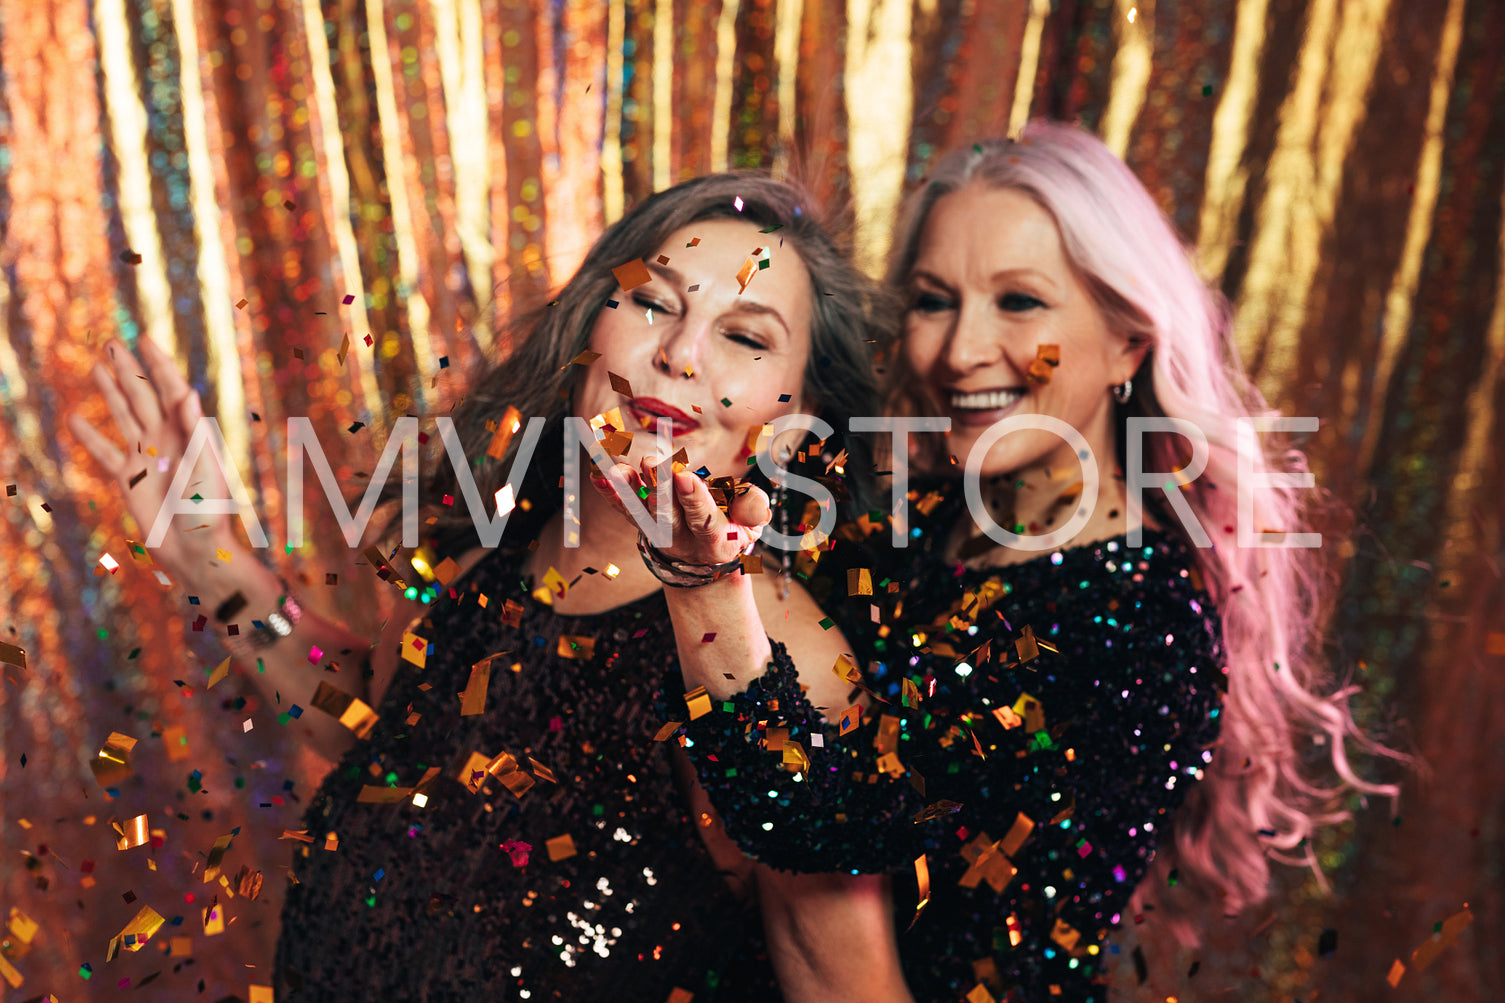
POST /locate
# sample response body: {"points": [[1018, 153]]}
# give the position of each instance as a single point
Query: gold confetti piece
{"points": [[1018, 835], [617, 443], [14, 657], [846, 670], [699, 702], [241, 304], [136, 933], [344, 347], [980, 994], [851, 719], [1065, 935], [987, 864], [1007, 717], [560, 847], [382, 795], [859, 582], [1025, 645], [217, 676], [620, 384], [775, 738], [473, 700], [1397, 971], [351, 712], [21, 926], [668, 729], [555, 584], [180, 947], [911, 693], [113, 764], [261, 994], [222, 554], [176, 741], [585, 358], [752, 564], [214, 920], [632, 274], [1031, 710], [1441, 939], [10, 974], [1048, 354], [505, 429], [576, 646], [332, 841], [216, 857], [446, 571], [415, 649], [747, 271], [1494, 643], [543, 772], [889, 763], [887, 738], [468, 773], [922, 880]]}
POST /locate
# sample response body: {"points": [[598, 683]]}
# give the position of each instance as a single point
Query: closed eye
{"points": [[649, 303], [930, 303], [1018, 302], [742, 338]]}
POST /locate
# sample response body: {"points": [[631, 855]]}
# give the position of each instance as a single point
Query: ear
{"points": [[1131, 356]]}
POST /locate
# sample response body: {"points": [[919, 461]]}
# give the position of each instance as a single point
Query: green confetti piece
{"points": [[826, 623], [726, 402]]}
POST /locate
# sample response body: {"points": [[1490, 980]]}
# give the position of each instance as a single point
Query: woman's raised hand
{"points": [[703, 534], [155, 412]]}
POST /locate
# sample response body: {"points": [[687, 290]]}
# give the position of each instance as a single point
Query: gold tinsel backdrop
{"points": [[250, 181]]}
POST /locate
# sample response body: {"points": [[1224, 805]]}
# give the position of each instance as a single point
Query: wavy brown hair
{"points": [[850, 316]]}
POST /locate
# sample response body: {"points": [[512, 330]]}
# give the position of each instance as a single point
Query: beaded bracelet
{"points": [[683, 574]]}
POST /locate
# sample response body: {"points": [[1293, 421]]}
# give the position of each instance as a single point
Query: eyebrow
{"points": [[1006, 273], [743, 305]]}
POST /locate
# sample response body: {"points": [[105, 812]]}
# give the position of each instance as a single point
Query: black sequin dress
{"points": [[614, 896], [1035, 777]]}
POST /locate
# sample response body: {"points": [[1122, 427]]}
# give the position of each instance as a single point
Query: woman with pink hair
{"points": [[1084, 691]]}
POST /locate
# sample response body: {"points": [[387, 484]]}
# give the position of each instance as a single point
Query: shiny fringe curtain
{"points": [[253, 183]]}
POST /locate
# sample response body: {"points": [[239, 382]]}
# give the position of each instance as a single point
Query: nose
{"points": [[681, 345], [974, 342]]}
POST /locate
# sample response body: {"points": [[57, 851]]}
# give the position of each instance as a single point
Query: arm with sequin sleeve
{"points": [[795, 793]]}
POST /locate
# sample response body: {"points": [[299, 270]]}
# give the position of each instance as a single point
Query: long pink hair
{"points": [[1257, 800]]}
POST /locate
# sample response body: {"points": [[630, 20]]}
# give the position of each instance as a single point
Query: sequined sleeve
{"points": [[833, 814]]}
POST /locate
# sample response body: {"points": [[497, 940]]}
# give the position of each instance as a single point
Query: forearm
{"points": [[719, 633], [283, 673], [831, 937]]}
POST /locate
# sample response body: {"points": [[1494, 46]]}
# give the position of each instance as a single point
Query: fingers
{"points": [[166, 375], [102, 449], [120, 409], [138, 391], [752, 508]]}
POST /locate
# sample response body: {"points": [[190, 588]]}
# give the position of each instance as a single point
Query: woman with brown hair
{"points": [[530, 838]]}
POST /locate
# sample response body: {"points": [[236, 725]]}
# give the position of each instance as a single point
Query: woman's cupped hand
{"points": [[703, 532]]}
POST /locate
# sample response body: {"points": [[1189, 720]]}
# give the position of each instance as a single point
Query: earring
{"points": [[1122, 391]]}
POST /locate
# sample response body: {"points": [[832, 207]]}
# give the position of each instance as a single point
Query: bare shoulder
{"points": [[795, 622]]}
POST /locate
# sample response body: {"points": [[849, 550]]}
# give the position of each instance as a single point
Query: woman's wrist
{"points": [[679, 574]]}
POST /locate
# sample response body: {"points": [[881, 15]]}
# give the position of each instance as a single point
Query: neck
{"points": [[605, 539]]}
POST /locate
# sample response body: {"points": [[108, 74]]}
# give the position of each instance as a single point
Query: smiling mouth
{"points": [[984, 400], [649, 409]]}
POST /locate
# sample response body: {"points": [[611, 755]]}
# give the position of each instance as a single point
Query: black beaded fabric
{"points": [[1129, 678], [436, 903]]}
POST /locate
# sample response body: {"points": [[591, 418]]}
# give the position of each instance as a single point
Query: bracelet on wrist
{"points": [[276, 625], [683, 574]]}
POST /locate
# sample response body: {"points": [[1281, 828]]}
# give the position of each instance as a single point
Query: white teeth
{"points": [[987, 400]]}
